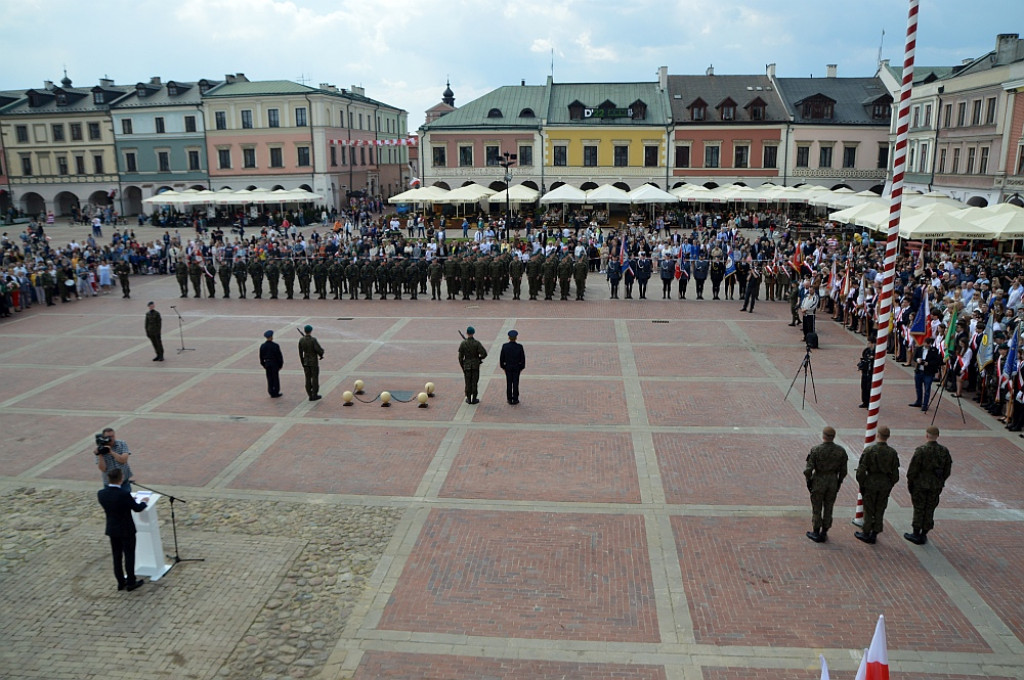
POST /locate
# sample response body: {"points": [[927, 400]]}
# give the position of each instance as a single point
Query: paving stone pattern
{"points": [[641, 514]]}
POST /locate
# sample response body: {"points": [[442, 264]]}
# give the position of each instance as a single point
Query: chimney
{"points": [[154, 80], [240, 77], [770, 70], [830, 70], [1006, 47], [106, 82], [710, 71], [48, 84], [522, 83], [663, 78], [965, 62], [356, 89]]}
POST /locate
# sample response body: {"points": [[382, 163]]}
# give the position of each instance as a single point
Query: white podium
{"points": [[150, 559]]}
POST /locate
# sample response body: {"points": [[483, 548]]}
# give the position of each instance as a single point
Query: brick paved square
{"points": [[745, 673], [694, 361], [16, 379], [366, 460], [988, 472], [988, 555], [123, 390], [86, 351], [680, 331], [527, 575], [203, 353], [764, 583], [237, 394], [412, 357], [717, 404], [448, 397], [127, 325], [545, 359], [232, 326], [582, 330], [32, 439], [826, 362], [736, 469], [348, 322], [573, 465], [405, 666], [445, 326], [64, 318], [554, 402], [164, 452]]}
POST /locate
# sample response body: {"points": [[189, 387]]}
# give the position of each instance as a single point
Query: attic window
{"points": [[819, 108], [576, 110], [527, 113], [172, 90], [756, 109], [140, 90], [881, 110], [728, 109], [97, 97], [62, 99], [204, 85], [494, 113], [698, 109], [639, 108]]}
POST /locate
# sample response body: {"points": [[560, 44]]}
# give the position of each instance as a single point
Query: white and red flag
{"points": [[875, 664], [824, 668]]}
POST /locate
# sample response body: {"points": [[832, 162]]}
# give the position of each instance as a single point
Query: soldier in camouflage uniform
{"points": [[580, 271], [435, 272], [210, 274], [422, 274], [225, 278], [288, 274], [929, 469], [335, 275], [466, 274], [123, 271], [195, 274], [482, 276], [548, 269], [240, 271], [877, 472], [366, 279], [303, 271], [533, 272], [381, 275], [256, 274], [499, 275], [352, 275], [412, 278], [564, 274], [515, 270], [452, 266], [320, 271], [273, 272], [181, 275], [825, 471]]}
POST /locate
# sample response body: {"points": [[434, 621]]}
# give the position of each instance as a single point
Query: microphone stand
{"points": [[174, 525], [181, 334]]}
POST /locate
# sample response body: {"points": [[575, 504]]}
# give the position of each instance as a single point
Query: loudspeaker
{"points": [[812, 340]]}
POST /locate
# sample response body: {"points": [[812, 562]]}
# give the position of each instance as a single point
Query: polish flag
{"points": [[875, 664], [824, 668]]}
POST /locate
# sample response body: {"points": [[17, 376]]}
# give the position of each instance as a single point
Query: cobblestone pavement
{"points": [[639, 515]]}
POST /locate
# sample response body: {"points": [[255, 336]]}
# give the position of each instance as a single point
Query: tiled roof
{"points": [[715, 89], [259, 87], [852, 96], [159, 95], [79, 100], [622, 95], [510, 101]]}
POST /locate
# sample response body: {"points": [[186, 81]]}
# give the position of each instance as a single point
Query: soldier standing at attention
{"points": [[303, 271], [123, 269], [240, 273], [310, 354], [195, 274], [877, 472], [181, 275], [929, 469], [471, 355], [273, 273], [225, 277], [256, 274], [272, 361], [153, 326], [580, 271], [825, 471], [512, 360], [210, 275], [288, 274]]}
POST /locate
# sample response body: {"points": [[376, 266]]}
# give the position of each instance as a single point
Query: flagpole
{"points": [[895, 207]]}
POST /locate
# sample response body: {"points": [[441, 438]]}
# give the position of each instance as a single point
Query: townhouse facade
{"points": [[966, 134], [64, 148]]}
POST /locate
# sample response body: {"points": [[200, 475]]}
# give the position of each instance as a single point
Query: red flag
{"points": [[875, 664]]}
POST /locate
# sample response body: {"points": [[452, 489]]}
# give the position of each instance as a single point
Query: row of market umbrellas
{"points": [[939, 220], [194, 197]]}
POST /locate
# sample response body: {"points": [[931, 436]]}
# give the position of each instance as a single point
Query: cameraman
{"points": [[112, 453]]}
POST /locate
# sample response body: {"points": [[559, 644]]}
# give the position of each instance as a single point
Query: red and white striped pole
{"points": [[889, 265]]}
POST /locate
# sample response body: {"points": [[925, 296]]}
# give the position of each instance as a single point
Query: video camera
{"points": [[102, 444]]}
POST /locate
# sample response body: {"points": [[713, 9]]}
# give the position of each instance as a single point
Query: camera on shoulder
{"points": [[102, 444]]}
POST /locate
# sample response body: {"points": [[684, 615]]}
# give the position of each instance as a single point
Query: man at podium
{"points": [[118, 505]]}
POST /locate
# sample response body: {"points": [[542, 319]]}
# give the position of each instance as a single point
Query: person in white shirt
{"points": [[1016, 292]]}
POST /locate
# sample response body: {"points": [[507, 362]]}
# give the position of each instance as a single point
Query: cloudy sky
{"points": [[402, 51]]}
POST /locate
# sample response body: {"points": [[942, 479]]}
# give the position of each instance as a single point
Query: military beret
{"points": [[470, 331], [268, 334], [513, 333], [308, 328]]}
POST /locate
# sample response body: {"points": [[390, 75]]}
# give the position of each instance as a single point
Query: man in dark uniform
{"points": [[515, 271], [512, 360], [225, 278], [666, 271], [548, 270], [436, 273], [123, 270], [118, 506], [533, 274], [366, 279], [929, 469], [451, 277], [411, 271], [320, 271], [471, 355], [614, 274], [644, 269], [303, 271], [381, 274], [154, 323], [396, 277], [564, 274], [499, 277], [272, 362], [256, 274], [482, 275], [877, 472], [240, 273], [466, 278], [195, 274], [866, 366], [335, 274], [825, 471], [273, 272], [288, 274], [580, 271], [352, 274], [181, 275], [717, 274], [310, 354], [210, 276], [753, 281], [700, 275]]}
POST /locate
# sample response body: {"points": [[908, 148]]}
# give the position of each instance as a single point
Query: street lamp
{"points": [[506, 161]]}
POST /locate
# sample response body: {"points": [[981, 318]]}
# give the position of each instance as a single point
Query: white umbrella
{"points": [[648, 193], [471, 193], [165, 198], [519, 193], [421, 195], [691, 193], [939, 225], [849, 215], [564, 194], [608, 193], [1008, 225]]}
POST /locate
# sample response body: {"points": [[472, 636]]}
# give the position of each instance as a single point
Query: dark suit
{"points": [[926, 364], [272, 361], [118, 504], [512, 360]]}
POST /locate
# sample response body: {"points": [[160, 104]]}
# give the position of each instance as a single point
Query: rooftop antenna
{"points": [[552, 64], [302, 78], [880, 43]]}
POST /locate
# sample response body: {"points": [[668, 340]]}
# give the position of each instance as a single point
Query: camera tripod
{"points": [[805, 367]]}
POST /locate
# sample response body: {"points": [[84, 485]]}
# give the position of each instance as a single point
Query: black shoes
{"points": [[134, 585], [472, 401], [916, 404], [916, 538], [315, 397], [862, 405], [818, 536], [866, 536], [276, 396]]}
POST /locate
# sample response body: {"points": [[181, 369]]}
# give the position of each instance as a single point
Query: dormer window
{"points": [[140, 90], [881, 110], [727, 109], [576, 110], [494, 113], [98, 97], [62, 99], [527, 113], [172, 90], [204, 85], [818, 107], [639, 110], [757, 109], [698, 110], [34, 100]]}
